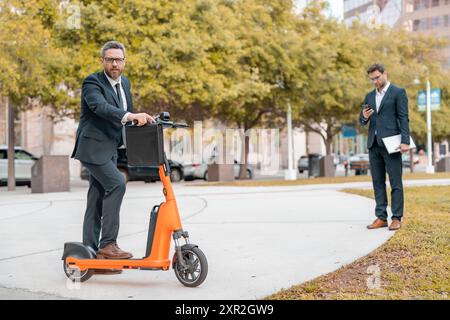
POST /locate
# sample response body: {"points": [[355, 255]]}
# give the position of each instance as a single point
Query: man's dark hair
{"points": [[112, 45], [375, 67]]}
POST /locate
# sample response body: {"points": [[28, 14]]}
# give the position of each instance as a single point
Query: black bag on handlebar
{"points": [[145, 145]]}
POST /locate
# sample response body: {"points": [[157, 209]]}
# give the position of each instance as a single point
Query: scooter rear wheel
{"points": [[74, 274], [197, 267]]}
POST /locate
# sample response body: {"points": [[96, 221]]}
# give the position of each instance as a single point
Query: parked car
{"points": [[303, 161], [359, 163], [302, 164], [200, 171], [141, 173], [406, 160], [23, 161]]}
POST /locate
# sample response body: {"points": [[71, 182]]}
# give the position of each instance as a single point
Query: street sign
{"points": [[348, 131], [435, 100]]}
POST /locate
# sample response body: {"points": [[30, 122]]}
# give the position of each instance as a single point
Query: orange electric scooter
{"points": [[145, 146]]}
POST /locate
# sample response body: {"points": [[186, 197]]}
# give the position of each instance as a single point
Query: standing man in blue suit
{"points": [[386, 109], [106, 107]]}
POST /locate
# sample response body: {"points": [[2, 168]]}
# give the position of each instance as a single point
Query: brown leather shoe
{"points": [[378, 223], [112, 251], [106, 271], [395, 225], [129, 253]]}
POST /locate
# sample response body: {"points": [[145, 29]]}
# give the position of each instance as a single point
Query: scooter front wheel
{"points": [[196, 267]]}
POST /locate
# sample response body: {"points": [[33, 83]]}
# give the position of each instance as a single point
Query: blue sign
{"points": [[435, 100], [348, 131]]}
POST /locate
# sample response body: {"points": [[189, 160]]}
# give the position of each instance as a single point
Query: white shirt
{"points": [[122, 95], [379, 95]]}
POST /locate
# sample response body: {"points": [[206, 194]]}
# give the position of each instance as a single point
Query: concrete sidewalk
{"points": [[258, 240]]}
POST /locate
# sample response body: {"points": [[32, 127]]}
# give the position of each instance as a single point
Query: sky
{"points": [[336, 7]]}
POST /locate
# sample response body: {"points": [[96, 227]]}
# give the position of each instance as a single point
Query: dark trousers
{"points": [[104, 198], [380, 163]]}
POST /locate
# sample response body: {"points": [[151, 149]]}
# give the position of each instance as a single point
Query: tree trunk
{"points": [[328, 144], [329, 141], [11, 150], [307, 140], [243, 166]]}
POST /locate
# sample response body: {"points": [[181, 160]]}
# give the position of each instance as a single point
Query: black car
{"points": [[141, 173]]}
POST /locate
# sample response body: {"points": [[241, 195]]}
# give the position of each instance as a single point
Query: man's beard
{"points": [[119, 73], [382, 86]]}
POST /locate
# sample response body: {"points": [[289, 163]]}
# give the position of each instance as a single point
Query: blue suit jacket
{"points": [[391, 118], [100, 130]]}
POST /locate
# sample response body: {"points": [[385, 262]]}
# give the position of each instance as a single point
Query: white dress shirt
{"points": [[379, 97]]}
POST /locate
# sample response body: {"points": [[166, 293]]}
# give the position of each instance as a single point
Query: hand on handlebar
{"points": [[140, 119]]}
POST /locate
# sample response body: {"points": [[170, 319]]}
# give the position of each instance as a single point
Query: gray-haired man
{"points": [[106, 106]]}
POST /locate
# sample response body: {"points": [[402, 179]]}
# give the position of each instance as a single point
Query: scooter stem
{"points": [[168, 191], [171, 203]]}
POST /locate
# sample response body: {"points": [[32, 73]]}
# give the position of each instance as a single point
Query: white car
{"points": [[200, 171], [23, 162]]}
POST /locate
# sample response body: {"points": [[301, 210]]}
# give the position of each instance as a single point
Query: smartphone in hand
{"points": [[367, 111]]}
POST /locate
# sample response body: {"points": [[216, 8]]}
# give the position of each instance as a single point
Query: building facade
{"points": [[36, 132], [430, 17]]}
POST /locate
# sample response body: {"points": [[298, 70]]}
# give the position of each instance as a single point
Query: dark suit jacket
{"points": [[391, 118], [100, 130]]}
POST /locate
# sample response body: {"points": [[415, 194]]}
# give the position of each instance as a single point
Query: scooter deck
{"points": [[83, 264]]}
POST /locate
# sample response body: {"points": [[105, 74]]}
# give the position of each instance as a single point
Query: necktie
{"points": [[119, 97]]}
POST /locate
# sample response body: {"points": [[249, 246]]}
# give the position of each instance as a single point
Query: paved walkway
{"points": [[258, 240]]}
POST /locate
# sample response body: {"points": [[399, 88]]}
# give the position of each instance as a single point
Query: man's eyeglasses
{"points": [[375, 78], [112, 60]]}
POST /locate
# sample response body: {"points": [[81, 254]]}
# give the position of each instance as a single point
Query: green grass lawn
{"points": [[413, 264], [320, 180]]}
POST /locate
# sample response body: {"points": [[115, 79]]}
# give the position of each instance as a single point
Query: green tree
{"points": [[333, 63], [31, 64], [409, 57], [262, 78], [335, 60], [178, 53]]}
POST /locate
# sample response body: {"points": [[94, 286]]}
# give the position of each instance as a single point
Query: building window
{"points": [[446, 20], [418, 25], [421, 4], [435, 22], [435, 3]]}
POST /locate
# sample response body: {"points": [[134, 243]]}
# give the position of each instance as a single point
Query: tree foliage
{"points": [[240, 61], [31, 64]]}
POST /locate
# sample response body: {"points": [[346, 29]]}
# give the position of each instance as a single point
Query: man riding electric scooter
{"points": [[106, 107], [146, 148]]}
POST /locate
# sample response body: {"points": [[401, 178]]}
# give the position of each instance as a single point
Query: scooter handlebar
{"points": [[167, 124], [171, 124]]}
